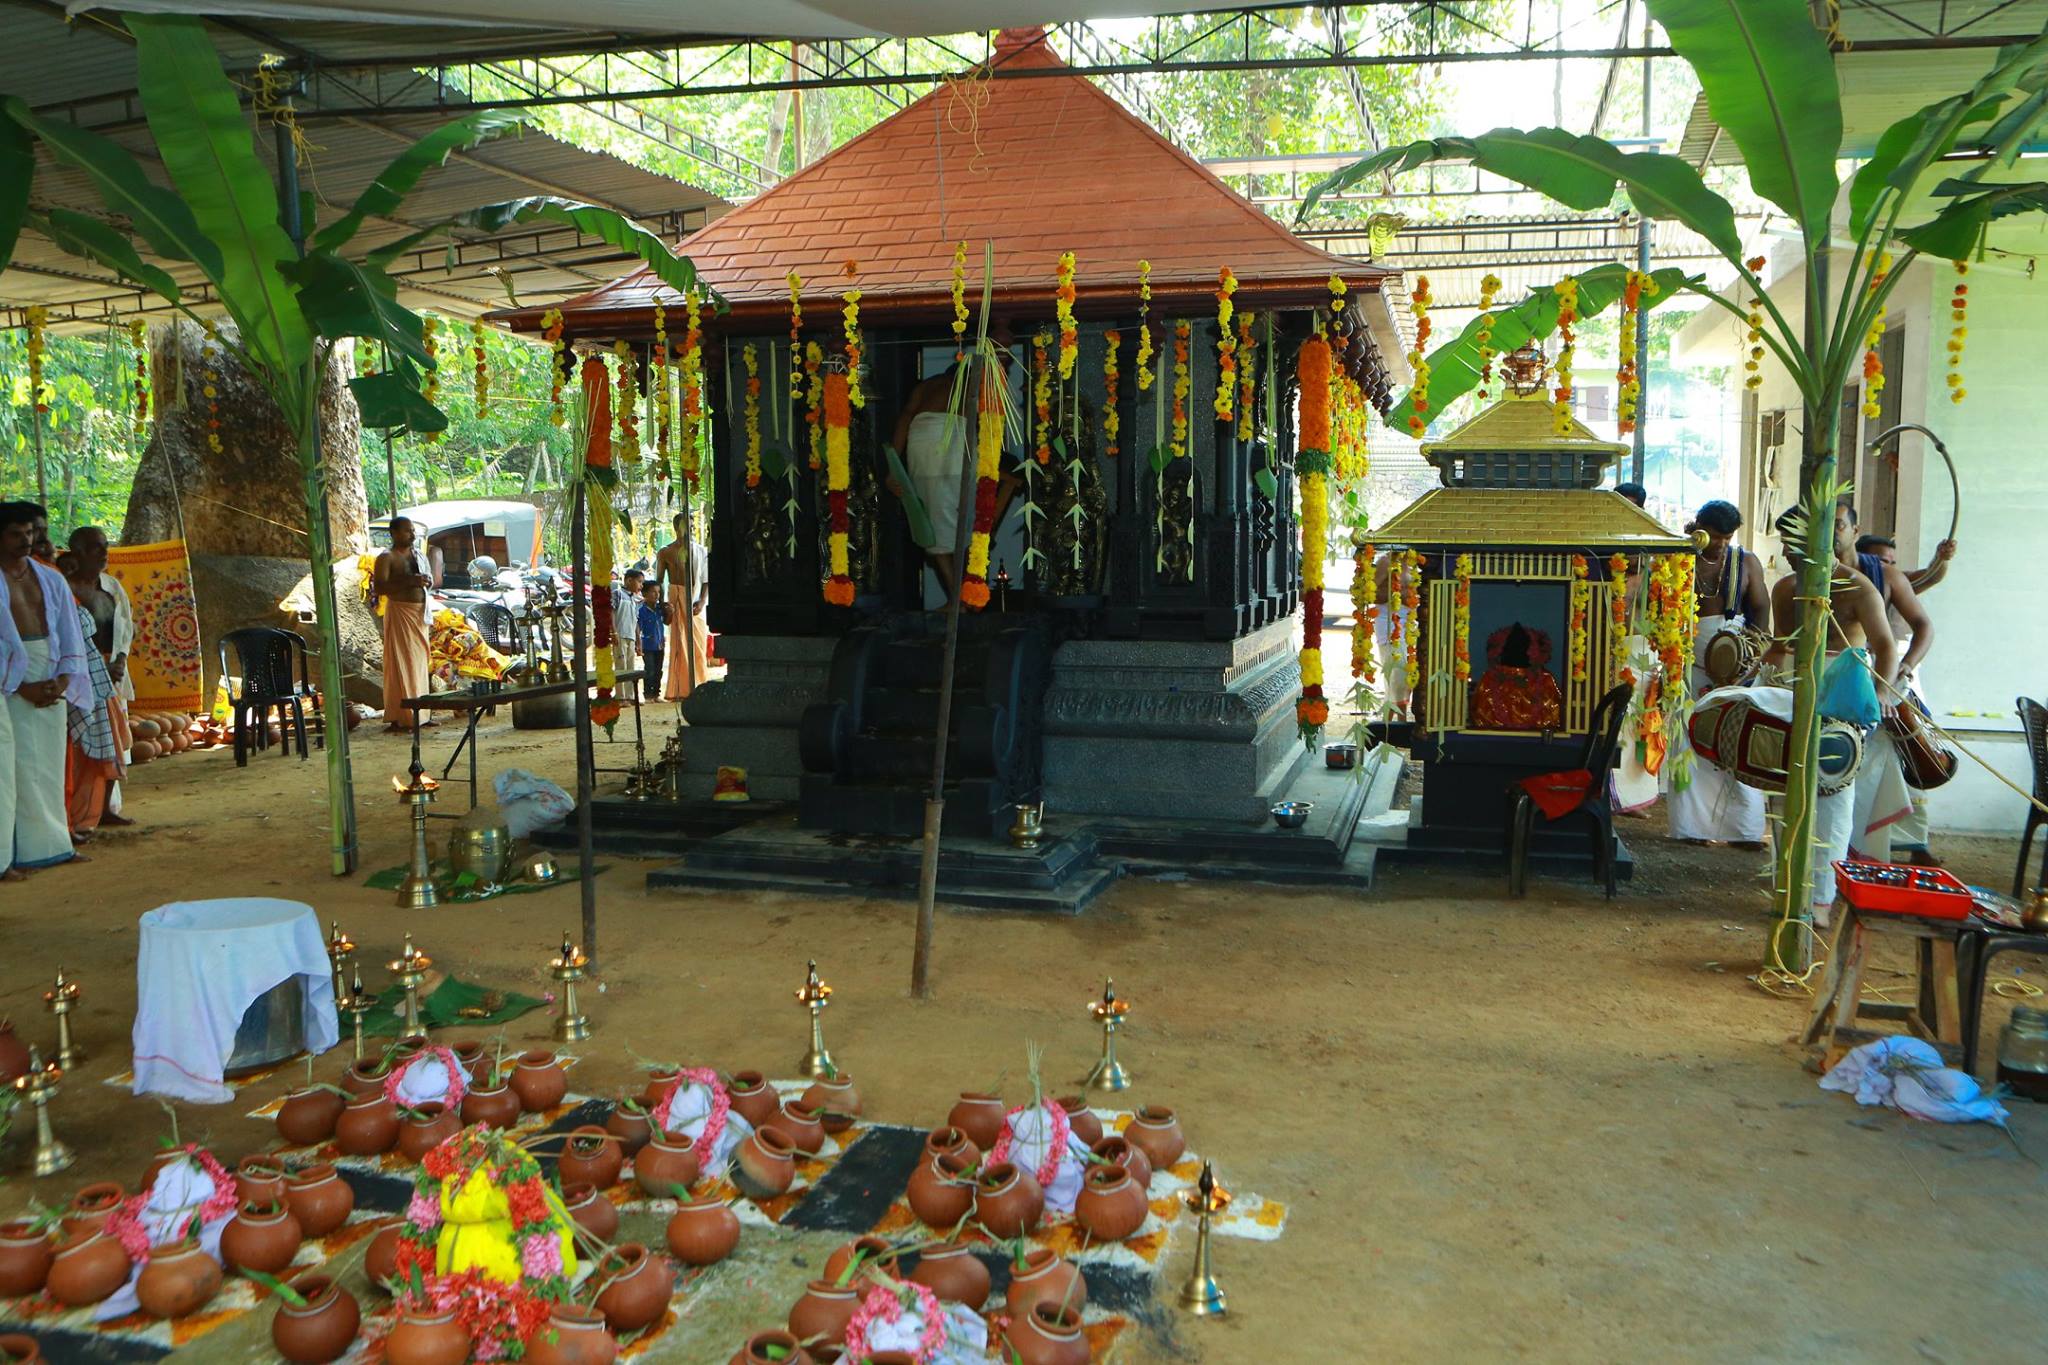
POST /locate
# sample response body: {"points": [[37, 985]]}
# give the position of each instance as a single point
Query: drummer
{"points": [[1884, 834], [1711, 806]]}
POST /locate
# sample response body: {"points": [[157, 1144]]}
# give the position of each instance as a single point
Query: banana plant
{"points": [[287, 302], [1769, 79]]}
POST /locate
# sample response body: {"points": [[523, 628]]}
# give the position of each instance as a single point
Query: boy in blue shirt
{"points": [[653, 629]]}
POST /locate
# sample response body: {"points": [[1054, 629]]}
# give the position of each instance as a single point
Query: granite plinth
{"points": [[748, 719]]}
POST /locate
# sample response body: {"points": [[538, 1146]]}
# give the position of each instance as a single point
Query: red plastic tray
{"points": [[1902, 889]]}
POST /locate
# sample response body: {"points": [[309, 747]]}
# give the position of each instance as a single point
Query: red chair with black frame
{"points": [[1579, 794]]}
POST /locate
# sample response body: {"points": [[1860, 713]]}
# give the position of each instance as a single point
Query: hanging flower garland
{"points": [[1063, 307], [1958, 312], [38, 345], [1144, 326], [1461, 620], [850, 319], [838, 476], [1673, 623], [482, 383], [1112, 419], [1338, 291], [1418, 357], [1581, 621], [1411, 599], [138, 347], [1636, 286], [1873, 364], [814, 415], [1366, 611], [1617, 626], [1489, 286], [658, 376], [558, 363], [752, 412], [1181, 386], [1567, 314], [1752, 364], [209, 384], [960, 300], [430, 384], [1312, 461], [1041, 394], [796, 340], [1247, 381], [1226, 347], [629, 403], [988, 470], [691, 375], [1397, 619]]}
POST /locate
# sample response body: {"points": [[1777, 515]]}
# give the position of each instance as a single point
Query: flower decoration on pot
{"points": [[1312, 462], [1226, 347], [698, 1105], [751, 410], [1144, 326], [189, 1184], [1112, 419], [431, 1075], [838, 475], [906, 1320], [1063, 308], [1039, 1138]]}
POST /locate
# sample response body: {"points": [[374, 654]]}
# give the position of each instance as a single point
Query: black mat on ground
{"points": [[860, 1187], [62, 1346], [377, 1191]]}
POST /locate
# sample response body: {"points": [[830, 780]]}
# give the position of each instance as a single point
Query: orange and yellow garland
{"points": [[1581, 621], [1112, 420], [1617, 610], [1674, 620], [1873, 366], [1063, 306], [1629, 376], [960, 300], [1144, 326], [1958, 313], [1418, 359], [629, 404], [838, 477], [209, 379], [752, 411], [691, 370], [1753, 363], [1461, 620], [796, 336], [483, 368], [1247, 383], [988, 468], [1366, 611], [1312, 462], [814, 415], [1561, 396], [1041, 395], [138, 344], [657, 361], [1226, 347], [1488, 287], [850, 318], [1181, 386], [558, 372]]}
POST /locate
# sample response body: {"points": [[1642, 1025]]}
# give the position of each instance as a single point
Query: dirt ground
{"points": [[1553, 1129]]}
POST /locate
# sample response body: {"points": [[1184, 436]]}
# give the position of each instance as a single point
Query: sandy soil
{"points": [[1552, 1129]]}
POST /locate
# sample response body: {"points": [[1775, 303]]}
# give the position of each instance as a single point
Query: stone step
{"points": [[975, 808]]}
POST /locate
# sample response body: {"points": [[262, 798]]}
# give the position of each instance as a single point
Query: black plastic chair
{"points": [[1596, 811], [499, 627], [272, 666], [2033, 720]]}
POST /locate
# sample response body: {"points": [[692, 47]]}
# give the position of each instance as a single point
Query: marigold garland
{"points": [[988, 469], [1226, 347], [691, 372], [430, 384], [752, 411], [1366, 610], [1247, 383], [960, 300], [1636, 287], [1144, 326], [1674, 620], [1461, 620], [1418, 359], [482, 381], [1581, 619], [1112, 420], [1958, 312], [629, 403], [558, 363], [838, 476], [814, 415], [1489, 286], [1312, 461], [850, 315], [658, 376], [1567, 313], [1398, 622], [1411, 599], [1873, 364], [1617, 627], [796, 339], [209, 384], [1181, 386], [138, 345], [1063, 306], [1041, 394]]}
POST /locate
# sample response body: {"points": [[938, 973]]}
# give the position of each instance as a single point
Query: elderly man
{"points": [[400, 580], [94, 787], [42, 666]]}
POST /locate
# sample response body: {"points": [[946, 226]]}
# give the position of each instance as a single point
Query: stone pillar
{"points": [[748, 719]]}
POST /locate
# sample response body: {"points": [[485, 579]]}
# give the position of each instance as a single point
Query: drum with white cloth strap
{"points": [[1746, 732]]}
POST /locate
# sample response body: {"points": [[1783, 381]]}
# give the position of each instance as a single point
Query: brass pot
{"points": [[484, 851], [2034, 913]]}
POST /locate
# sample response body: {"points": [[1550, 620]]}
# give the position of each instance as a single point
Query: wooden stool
{"points": [[1838, 1004]]}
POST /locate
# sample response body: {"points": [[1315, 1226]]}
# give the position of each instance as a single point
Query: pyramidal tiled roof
{"points": [[1036, 166]]}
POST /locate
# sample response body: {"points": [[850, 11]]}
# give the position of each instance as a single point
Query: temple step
{"points": [[975, 808]]}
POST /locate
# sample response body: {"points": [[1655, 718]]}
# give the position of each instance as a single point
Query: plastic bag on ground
{"points": [[1908, 1075], [527, 803]]}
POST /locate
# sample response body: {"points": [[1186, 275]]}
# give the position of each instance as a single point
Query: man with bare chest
{"points": [[400, 581], [1708, 806], [42, 666]]}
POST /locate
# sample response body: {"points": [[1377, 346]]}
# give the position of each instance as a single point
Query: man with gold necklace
{"points": [[42, 665], [1711, 806]]}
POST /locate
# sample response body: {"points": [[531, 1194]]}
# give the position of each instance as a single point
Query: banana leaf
{"points": [[85, 236], [1954, 232], [921, 529], [17, 174], [342, 299], [386, 194], [1904, 150], [392, 400], [607, 225]]}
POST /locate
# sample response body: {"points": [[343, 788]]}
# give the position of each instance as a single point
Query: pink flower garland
{"points": [[721, 1105], [456, 1089], [124, 1224], [885, 1304], [424, 1212], [1054, 1154]]}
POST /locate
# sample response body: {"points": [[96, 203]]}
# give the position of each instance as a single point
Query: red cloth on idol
{"points": [[1558, 794]]}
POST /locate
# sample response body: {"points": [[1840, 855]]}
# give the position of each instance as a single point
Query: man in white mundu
{"points": [[1707, 804], [42, 666]]}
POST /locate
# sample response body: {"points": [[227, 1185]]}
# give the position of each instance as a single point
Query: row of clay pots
{"points": [[317, 1113], [1154, 1129], [1043, 1303], [573, 1335], [321, 1328]]}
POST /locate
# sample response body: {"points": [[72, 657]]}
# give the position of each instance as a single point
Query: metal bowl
{"points": [[1340, 755], [1292, 814], [484, 851], [541, 870]]}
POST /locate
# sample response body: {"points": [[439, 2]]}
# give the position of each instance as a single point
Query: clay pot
{"points": [[801, 1125], [405, 1049], [92, 1206], [380, 1258], [980, 1117], [178, 1280], [839, 1101], [322, 1329], [1048, 1335], [591, 1211], [1008, 1201], [637, 1285], [85, 1268], [868, 1249], [427, 1338], [319, 1198], [472, 1057], [367, 1127], [258, 1179], [308, 1116], [824, 1310], [573, 1335], [764, 1164], [425, 1128], [940, 1194], [365, 1077], [631, 1127], [261, 1237], [657, 1085], [24, 1259], [664, 1163], [703, 1232], [1118, 1152], [1156, 1132], [591, 1157], [770, 1348], [539, 1080], [952, 1142], [1110, 1204], [18, 1348], [753, 1099], [1086, 1126], [500, 1108], [952, 1271], [13, 1053], [1045, 1277]]}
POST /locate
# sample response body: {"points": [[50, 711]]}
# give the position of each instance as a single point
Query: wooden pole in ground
{"points": [[586, 756], [935, 804]]}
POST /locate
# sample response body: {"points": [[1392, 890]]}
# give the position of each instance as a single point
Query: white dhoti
{"points": [[1711, 805], [40, 737], [1883, 800], [1635, 786], [1393, 662], [938, 460], [1834, 817]]}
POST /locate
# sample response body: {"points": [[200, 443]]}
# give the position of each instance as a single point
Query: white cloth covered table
{"points": [[201, 964]]}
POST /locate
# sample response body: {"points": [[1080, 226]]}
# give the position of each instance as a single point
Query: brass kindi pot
{"points": [[483, 851]]}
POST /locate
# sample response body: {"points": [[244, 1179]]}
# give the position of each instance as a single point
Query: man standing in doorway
{"points": [[683, 566], [400, 580], [42, 666], [1712, 807]]}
